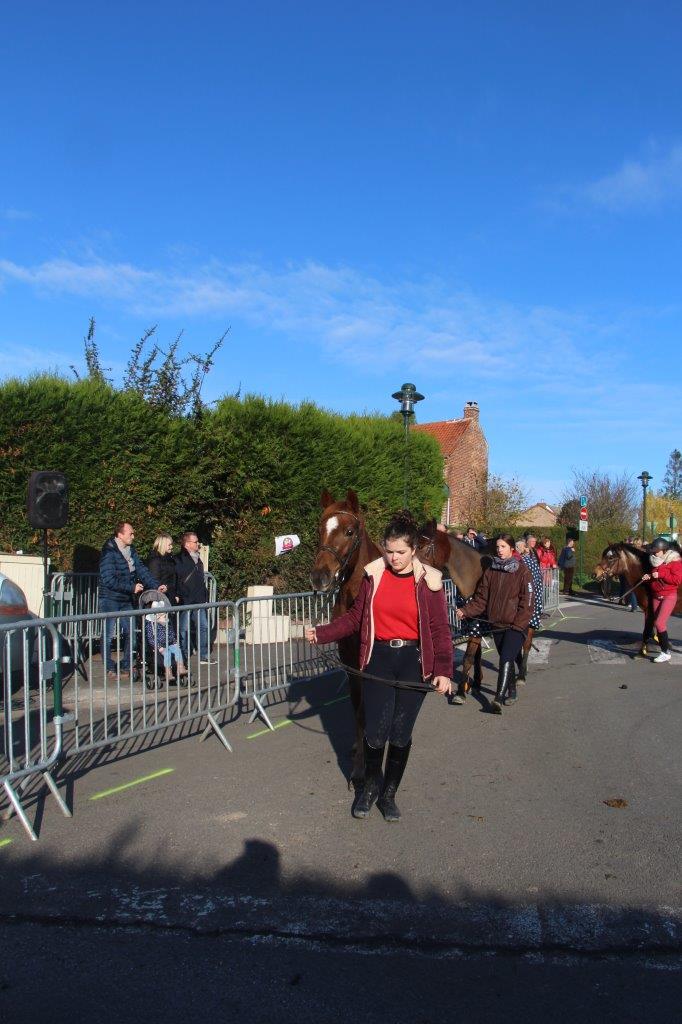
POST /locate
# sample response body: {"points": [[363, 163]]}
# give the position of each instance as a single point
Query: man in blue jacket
{"points": [[122, 576]]}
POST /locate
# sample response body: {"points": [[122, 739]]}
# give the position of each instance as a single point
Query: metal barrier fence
{"points": [[272, 651], [74, 594], [32, 732], [146, 677], [550, 591]]}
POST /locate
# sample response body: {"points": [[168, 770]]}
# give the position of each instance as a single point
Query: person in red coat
{"points": [[401, 616], [665, 578], [546, 554]]}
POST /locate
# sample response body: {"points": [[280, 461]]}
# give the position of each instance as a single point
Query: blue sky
{"points": [[484, 199]]}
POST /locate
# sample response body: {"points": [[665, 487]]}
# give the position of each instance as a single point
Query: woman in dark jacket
{"points": [[505, 596], [401, 616], [161, 564]]}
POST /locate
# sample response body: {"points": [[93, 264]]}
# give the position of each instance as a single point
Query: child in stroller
{"points": [[162, 639]]}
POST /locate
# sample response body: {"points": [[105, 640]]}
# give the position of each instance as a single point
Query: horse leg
{"points": [[472, 659], [522, 657]]}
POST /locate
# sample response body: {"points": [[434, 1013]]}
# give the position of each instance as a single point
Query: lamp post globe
{"points": [[408, 396]]}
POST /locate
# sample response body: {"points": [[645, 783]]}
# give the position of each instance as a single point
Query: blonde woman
{"points": [[161, 564]]}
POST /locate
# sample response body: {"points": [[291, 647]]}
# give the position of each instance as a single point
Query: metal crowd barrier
{"points": [[32, 731], [550, 591], [272, 651], [75, 594], [141, 692]]}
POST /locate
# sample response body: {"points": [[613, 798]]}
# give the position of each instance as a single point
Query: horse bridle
{"points": [[430, 548], [343, 562]]}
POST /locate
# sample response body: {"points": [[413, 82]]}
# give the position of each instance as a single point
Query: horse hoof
{"points": [[495, 708], [458, 698]]}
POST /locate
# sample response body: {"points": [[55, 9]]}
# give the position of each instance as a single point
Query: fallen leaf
{"points": [[475, 817], [616, 801]]}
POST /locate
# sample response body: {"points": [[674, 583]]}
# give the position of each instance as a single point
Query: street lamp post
{"points": [[408, 396], [645, 479]]}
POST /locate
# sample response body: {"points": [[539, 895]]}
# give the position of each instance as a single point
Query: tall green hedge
{"points": [[247, 470]]}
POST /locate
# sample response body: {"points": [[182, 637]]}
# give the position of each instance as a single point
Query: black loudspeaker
{"points": [[48, 499]]}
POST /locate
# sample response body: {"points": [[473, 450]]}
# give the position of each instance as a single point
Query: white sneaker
{"points": [[208, 661], [663, 656]]}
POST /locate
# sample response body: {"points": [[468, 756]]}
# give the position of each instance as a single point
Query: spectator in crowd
{"points": [[531, 543], [567, 562], [546, 554], [505, 595], [475, 539], [122, 576], [458, 535], [533, 567], [666, 579], [161, 638], [192, 590], [161, 564]]}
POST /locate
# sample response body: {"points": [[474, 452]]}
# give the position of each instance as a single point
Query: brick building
{"points": [[465, 452]]}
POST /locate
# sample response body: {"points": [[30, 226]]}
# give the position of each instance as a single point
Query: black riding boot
{"points": [[395, 766], [372, 784], [504, 678]]}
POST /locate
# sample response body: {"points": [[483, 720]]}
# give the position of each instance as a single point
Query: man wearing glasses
{"points": [[192, 590]]}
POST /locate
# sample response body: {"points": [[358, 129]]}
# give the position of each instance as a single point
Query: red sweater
{"points": [[395, 608]]}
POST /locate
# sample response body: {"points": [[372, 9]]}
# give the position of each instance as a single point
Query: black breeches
{"points": [[390, 712], [508, 644]]}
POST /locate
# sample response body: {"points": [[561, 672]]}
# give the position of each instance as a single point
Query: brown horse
{"points": [[623, 559], [344, 549]]}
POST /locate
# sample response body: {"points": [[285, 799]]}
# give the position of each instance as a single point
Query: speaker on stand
{"points": [[48, 509]]}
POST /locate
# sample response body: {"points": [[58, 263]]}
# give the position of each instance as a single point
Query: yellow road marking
{"points": [[5, 842], [129, 785], [290, 721]]}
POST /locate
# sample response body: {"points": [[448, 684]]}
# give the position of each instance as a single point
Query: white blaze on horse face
{"points": [[332, 524]]}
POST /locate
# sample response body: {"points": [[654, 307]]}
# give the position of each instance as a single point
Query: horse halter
{"points": [[343, 562], [429, 548]]}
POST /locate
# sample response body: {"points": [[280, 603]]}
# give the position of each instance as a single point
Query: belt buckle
{"points": [[396, 643]]}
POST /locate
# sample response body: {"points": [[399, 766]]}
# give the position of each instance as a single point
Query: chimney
{"points": [[471, 411]]}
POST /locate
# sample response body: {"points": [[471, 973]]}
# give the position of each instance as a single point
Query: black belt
{"points": [[397, 643]]}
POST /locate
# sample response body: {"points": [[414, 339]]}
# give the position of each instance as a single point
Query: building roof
{"points": [[448, 433]]}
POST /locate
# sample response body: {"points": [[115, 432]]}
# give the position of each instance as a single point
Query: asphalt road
{"points": [[536, 870]]}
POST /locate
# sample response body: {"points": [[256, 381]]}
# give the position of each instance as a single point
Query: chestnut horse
{"points": [[344, 549], [623, 559]]}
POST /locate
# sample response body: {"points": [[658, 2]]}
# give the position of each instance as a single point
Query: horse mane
{"points": [[622, 545]]}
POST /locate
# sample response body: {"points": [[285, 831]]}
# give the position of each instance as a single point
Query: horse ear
{"points": [[352, 499], [326, 499]]}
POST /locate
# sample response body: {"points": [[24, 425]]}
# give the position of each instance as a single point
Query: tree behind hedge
{"points": [[218, 475]]}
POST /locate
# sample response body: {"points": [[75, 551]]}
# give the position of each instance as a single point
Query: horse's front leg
{"points": [[350, 655], [648, 633]]}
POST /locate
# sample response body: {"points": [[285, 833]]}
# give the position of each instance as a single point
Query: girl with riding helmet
{"points": [[505, 596], [665, 578], [405, 648]]}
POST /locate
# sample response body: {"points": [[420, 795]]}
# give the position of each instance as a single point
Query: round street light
{"points": [[408, 396]]}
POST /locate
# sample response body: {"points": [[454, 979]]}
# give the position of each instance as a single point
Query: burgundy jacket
{"points": [[435, 640]]}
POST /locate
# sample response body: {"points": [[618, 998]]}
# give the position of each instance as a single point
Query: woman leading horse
{"points": [[400, 616]]}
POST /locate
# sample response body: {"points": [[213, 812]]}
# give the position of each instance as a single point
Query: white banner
{"points": [[286, 543]]}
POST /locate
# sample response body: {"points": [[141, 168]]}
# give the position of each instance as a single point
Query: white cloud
{"points": [[638, 183], [9, 213], [355, 317]]}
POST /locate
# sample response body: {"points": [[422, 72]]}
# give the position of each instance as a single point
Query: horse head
{"points": [[341, 532], [620, 559], [433, 545]]}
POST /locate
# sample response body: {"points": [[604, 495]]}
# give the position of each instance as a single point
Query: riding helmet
{"points": [[659, 544]]}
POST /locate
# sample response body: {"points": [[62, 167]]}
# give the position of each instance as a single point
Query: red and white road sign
{"points": [[583, 514]]}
